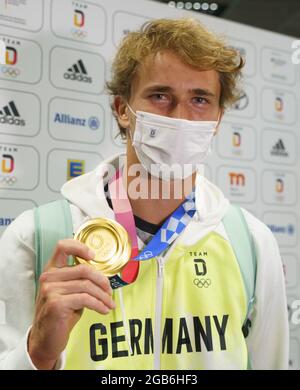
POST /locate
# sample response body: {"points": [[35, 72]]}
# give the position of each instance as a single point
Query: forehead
{"points": [[167, 68]]}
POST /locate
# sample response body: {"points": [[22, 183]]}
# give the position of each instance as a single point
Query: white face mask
{"points": [[171, 148]]}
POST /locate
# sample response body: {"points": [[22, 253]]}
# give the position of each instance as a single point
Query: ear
{"points": [[122, 112]]}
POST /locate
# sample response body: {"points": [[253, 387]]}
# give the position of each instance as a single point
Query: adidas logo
{"points": [[78, 72], [279, 149], [9, 115]]}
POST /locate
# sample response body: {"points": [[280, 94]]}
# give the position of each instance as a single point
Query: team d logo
{"points": [[9, 59], [77, 30], [7, 167], [11, 56], [79, 18], [200, 269]]}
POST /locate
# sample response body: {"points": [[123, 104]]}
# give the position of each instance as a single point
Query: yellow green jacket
{"points": [[186, 310]]}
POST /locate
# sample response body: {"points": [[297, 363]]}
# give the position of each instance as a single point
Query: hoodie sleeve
{"points": [[17, 294], [17, 291], [268, 339]]}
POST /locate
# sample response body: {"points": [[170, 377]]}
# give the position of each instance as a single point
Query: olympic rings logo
{"points": [[10, 71], [78, 33], [8, 180], [200, 283], [146, 255]]}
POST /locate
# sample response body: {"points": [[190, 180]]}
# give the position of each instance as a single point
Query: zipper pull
{"points": [[160, 266]]}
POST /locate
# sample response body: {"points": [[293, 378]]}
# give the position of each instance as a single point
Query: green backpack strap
{"points": [[53, 222], [243, 246]]}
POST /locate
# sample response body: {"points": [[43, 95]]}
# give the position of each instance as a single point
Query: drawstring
{"points": [[126, 328]]}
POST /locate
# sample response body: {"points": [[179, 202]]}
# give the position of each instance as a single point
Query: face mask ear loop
{"points": [[209, 152], [131, 110], [218, 123], [130, 136], [133, 113]]}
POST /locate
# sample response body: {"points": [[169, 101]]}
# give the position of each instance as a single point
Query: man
{"points": [[171, 83]]}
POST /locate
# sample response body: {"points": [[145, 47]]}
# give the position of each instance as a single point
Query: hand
{"points": [[63, 294]]}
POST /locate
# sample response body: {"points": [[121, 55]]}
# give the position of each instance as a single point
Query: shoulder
{"points": [[269, 262], [261, 233], [17, 248], [21, 230]]}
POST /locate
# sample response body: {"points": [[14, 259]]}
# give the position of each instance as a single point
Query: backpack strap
{"points": [[53, 222], [243, 246]]}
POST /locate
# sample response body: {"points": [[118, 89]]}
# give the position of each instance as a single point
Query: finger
{"points": [[67, 247], [78, 272], [78, 287], [83, 300]]}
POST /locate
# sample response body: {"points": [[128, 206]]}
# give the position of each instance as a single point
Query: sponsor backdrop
{"points": [[55, 120]]}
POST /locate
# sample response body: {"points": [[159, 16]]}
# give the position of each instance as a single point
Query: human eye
{"points": [[159, 97], [199, 100]]}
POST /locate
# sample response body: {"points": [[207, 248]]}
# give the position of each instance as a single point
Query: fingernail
{"points": [[91, 254], [113, 305]]}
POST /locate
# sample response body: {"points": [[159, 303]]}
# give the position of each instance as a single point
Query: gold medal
{"points": [[110, 242]]}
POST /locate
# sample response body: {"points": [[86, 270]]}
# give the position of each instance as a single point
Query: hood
{"points": [[87, 193]]}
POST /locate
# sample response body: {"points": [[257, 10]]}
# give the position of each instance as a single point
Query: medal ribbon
{"points": [[170, 230]]}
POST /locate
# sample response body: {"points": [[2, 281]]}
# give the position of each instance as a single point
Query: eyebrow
{"points": [[165, 88]]}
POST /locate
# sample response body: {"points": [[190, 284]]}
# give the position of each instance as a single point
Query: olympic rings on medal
{"points": [[200, 283]]}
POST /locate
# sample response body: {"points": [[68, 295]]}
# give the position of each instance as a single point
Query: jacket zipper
{"points": [[158, 312]]}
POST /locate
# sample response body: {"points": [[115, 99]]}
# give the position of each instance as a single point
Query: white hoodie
{"points": [[268, 339]]}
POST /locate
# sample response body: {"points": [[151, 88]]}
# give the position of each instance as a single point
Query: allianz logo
{"points": [[281, 229], [92, 122], [5, 221], [9, 115]]}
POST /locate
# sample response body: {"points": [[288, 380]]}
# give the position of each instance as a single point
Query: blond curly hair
{"points": [[187, 38]]}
